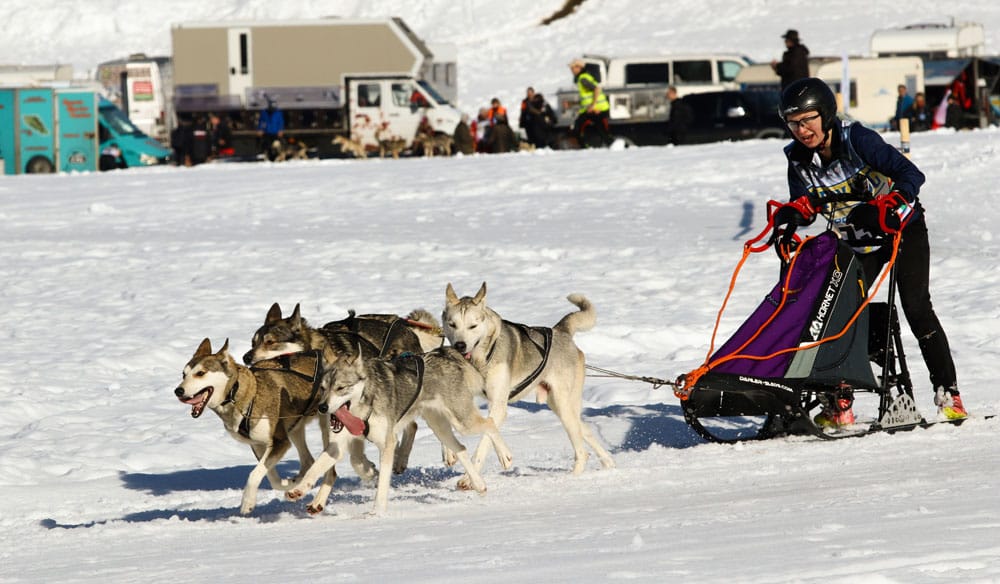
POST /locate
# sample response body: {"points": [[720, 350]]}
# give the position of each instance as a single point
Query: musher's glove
{"points": [[786, 220], [893, 211]]}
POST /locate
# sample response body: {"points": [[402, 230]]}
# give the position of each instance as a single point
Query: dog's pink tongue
{"points": [[354, 424]]}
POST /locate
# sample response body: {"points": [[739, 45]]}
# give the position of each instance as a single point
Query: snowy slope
{"points": [[109, 281]]}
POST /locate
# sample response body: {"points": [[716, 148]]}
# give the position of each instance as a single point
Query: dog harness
{"points": [[284, 363], [543, 349], [418, 362]]}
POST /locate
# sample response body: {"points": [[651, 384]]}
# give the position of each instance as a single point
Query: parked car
{"points": [[734, 115]]}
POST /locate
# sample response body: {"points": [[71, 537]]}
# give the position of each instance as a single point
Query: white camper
{"points": [[871, 97], [930, 41]]}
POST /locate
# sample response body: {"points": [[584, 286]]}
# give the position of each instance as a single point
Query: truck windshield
{"points": [[433, 92], [116, 120]]}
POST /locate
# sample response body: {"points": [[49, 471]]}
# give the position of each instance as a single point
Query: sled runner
{"points": [[811, 344]]}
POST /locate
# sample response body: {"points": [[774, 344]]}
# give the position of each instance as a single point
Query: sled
{"points": [[816, 338]]}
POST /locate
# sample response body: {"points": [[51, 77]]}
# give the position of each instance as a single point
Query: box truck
{"points": [[45, 129], [364, 79]]}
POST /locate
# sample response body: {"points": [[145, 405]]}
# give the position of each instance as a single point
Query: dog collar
{"points": [[231, 396]]}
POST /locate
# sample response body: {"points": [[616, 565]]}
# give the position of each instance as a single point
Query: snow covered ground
{"points": [[110, 281]]}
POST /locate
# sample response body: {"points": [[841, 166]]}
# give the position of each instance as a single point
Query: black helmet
{"points": [[809, 94]]}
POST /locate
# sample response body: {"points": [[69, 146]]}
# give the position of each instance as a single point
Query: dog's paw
{"points": [[314, 508], [246, 508], [294, 494], [506, 461]]}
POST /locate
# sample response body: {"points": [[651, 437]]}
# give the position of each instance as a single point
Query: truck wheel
{"points": [[39, 165]]}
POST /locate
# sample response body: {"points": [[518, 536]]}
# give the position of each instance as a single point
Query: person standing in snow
{"points": [[864, 188], [794, 64], [595, 110]]}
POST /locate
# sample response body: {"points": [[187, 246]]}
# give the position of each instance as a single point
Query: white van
{"points": [[141, 86], [636, 86], [930, 41]]}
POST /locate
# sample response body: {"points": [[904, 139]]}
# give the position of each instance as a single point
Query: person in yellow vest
{"points": [[594, 107]]}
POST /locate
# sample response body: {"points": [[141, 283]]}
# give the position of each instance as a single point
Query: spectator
{"points": [[502, 138], [464, 136], [527, 113], [270, 127], [180, 141], [482, 129], [111, 158], [201, 141], [903, 103], [794, 64], [954, 116], [921, 117], [681, 118], [595, 110], [222, 137], [540, 122], [496, 110]]}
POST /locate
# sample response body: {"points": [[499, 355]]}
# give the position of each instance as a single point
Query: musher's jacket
{"points": [[863, 166], [586, 84]]}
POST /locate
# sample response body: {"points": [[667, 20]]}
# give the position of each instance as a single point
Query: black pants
{"points": [[599, 121], [912, 284]]}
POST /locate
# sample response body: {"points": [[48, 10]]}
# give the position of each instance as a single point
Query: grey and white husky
{"points": [[376, 397], [267, 406], [516, 359]]}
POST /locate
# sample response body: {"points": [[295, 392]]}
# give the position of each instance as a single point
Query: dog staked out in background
{"points": [[387, 144], [350, 146], [516, 360], [267, 407], [377, 397], [293, 149], [433, 144]]}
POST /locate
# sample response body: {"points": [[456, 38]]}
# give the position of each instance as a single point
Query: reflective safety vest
{"points": [[587, 95]]}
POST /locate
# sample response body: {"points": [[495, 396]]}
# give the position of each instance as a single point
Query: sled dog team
{"points": [[371, 377]]}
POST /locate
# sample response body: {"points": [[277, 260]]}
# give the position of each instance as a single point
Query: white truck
{"points": [[141, 87], [365, 79], [636, 89]]}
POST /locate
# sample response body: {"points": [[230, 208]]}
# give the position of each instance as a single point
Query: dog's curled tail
{"points": [[582, 320], [427, 329]]}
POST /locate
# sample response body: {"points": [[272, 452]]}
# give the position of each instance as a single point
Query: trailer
{"points": [[363, 79], [872, 92], [932, 41]]}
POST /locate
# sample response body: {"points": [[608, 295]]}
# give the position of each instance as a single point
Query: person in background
{"points": [[595, 110], [543, 119], [270, 127], [528, 112], [865, 189], [794, 64], [681, 118], [903, 103], [496, 110], [222, 136], [921, 117], [502, 138], [180, 141], [464, 136], [954, 116]]}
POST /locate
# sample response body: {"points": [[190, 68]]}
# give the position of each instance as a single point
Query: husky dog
{"points": [[374, 335], [266, 407], [393, 145], [432, 143], [349, 146], [516, 359], [377, 397]]}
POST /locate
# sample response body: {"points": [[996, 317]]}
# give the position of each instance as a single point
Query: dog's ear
{"points": [[224, 349], [449, 295], [481, 295], [203, 350], [274, 314], [296, 317]]}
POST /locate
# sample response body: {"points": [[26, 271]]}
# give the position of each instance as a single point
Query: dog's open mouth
{"points": [[199, 401], [343, 418]]}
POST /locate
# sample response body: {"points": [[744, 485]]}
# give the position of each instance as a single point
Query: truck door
{"points": [[76, 113], [240, 65], [407, 108], [368, 121], [36, 131]]}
